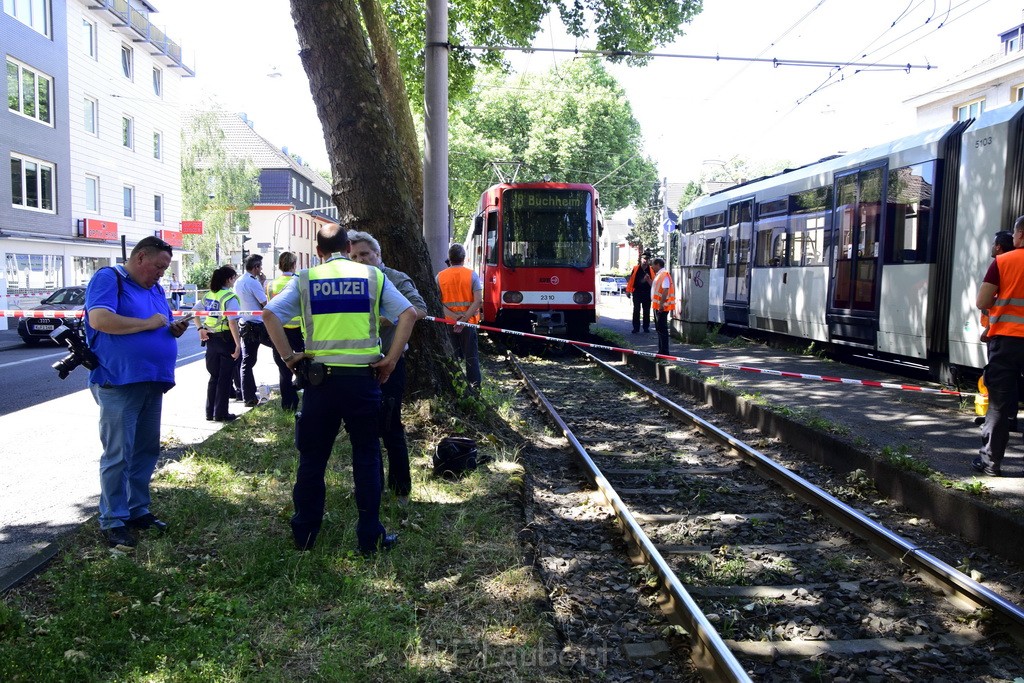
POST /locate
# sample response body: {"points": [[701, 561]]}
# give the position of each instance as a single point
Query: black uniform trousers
{"points": [[221, 366], [354, 400], [641, 303], [392, 432], [1005, 365], [289, 395]]}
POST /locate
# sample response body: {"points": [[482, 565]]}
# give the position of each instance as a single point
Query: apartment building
{"points": [[294, 202], [995, 81], [92, 133]]}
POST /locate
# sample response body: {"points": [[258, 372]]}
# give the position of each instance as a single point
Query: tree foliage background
{"points": [[215, 189], [571, 124]]}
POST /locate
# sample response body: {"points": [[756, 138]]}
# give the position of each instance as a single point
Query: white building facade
{"points": [[91, 134]]}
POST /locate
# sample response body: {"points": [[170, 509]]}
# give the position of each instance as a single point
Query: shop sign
{"points": [[95, 229], [192, 227], [172, 237]]}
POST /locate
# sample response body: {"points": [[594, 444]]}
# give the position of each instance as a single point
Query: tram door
{"points": [[857, 225], [737, 266]]}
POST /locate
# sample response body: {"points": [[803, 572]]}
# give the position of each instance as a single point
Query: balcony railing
{"points": [[143, 30]]}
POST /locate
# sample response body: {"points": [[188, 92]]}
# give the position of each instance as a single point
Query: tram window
{"points": [[492, 238], [909, 212], [809, 214], [772, 242], [714, 220]]}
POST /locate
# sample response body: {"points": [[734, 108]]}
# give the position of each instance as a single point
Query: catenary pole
{"points": [[435, 154]]}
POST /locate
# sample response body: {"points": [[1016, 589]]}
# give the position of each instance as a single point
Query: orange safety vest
{"points": [[1006, 316], [663, 298], [632, 277], [456, 284]]}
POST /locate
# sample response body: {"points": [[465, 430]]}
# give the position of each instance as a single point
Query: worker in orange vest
{"points": [[638, 287], [663, 301], [462, 295], [1001, 294]]}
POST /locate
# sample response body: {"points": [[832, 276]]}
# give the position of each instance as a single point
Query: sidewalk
{"points": [[935, 429], [50, 462]]}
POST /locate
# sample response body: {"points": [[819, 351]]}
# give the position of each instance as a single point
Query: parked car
{"points": [[34, 330], [622, 284], [609, 285]]}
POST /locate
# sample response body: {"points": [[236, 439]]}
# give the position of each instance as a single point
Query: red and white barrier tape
{"points": [[724, 366], [678, 359]]}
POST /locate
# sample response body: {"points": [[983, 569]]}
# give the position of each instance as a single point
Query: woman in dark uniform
{"points": [[220, 335]]}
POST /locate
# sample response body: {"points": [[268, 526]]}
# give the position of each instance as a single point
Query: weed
{"points": [[900, 458]]}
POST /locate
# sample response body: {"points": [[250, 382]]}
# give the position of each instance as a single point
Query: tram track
{"points": [[759, 565]]}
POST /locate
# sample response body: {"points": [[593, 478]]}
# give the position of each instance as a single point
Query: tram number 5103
{"points": [[983, 142]]}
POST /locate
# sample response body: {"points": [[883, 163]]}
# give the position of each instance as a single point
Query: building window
{"points": [[90, 108], [127, 62], [295, 188], [1017, 93], [128, 132], [158, 144], [89, 38], [92, 194], [31, 183], [158, 208], [29, 92], [1013, 44], [129, 201], [34, 13], [970, 110], [158, 82]]}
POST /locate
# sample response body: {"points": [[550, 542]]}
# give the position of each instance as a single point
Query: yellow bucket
{"points": [[981, 398]]}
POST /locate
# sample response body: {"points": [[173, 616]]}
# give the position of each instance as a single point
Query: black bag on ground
{"points": [[455, 456]]}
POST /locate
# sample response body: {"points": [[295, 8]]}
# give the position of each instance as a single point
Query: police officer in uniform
{"points": [[223, 345], [292, 329], [340, 304]]}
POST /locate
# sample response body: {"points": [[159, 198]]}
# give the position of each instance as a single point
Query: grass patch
{"points": [[225, 597], [900, 458]]}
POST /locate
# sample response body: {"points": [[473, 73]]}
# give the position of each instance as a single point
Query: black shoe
{"points": [[979, 465], [304, 544], [636, 331], [119, 535], [385, 543], [253, 403], [209, 418], [230, 417], [147, 521]]}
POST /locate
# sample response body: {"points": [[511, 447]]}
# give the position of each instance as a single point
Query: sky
{"points": [[695, 113]]}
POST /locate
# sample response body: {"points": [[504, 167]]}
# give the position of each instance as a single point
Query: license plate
{"points": [[44, 328]]}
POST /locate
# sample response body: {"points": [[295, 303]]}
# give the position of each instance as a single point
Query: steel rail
{"points": [[942, 576], [709, 652]]}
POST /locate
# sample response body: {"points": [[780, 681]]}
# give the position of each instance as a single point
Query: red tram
{"points": [[535, 246]]}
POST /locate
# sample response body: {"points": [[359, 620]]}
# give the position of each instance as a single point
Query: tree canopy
{"points": [[572, 124], [623, 27], [215, 189]]}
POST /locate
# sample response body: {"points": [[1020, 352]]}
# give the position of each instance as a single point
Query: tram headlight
{"points": [[582, 297], [512, 297]]}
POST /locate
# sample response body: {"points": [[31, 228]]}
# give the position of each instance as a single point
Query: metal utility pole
{"points": [[435, 147]]}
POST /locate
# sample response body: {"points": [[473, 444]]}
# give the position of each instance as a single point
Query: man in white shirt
{"points": [[251, 297]]}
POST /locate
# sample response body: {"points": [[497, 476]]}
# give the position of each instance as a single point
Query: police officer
{"points": [[292, 329], [340, 304], [223, 345]]}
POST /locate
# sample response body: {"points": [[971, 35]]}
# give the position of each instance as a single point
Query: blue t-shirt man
{"points": [[146, 356], [128, 325]]}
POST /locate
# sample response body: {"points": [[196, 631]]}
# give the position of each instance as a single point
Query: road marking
{"points": [[29, 360], [58, 355]]}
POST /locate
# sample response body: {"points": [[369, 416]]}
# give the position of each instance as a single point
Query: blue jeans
{"points": [[130, 434], [356, 401]]}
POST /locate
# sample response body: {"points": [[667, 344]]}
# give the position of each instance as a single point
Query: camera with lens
{"points": [[80, 354]]}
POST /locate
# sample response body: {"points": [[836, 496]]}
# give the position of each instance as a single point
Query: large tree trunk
{"points": [[371, 188], [389, 74]]}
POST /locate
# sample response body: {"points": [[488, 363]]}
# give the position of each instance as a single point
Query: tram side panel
{"points": [[904, 313], [985, 164]]}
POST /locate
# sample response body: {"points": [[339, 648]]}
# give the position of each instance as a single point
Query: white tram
{"points": [[881, 250]]}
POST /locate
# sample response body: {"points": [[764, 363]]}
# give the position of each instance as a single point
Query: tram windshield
{"points": [[543, 228]]}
